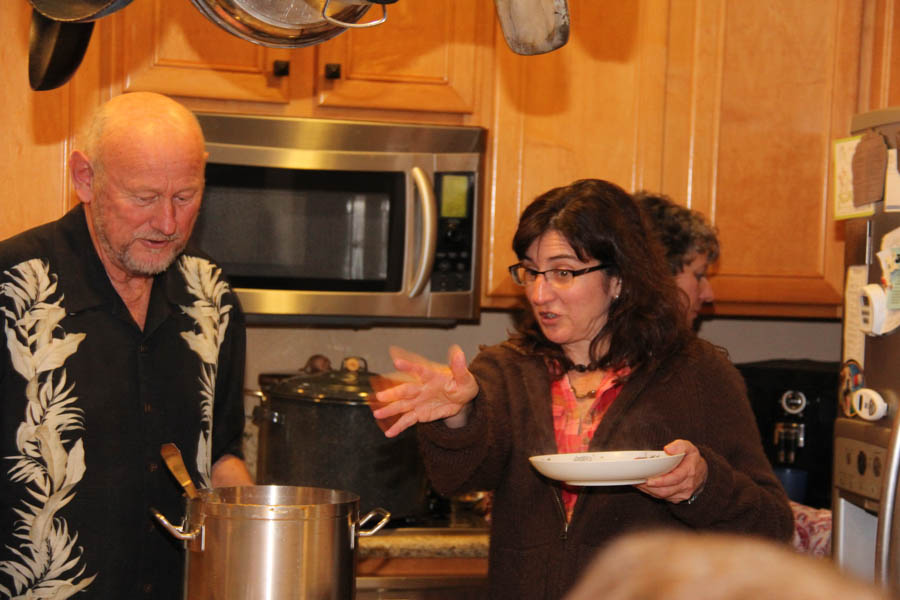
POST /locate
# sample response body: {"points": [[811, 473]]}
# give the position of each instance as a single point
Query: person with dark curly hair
{"points": [[690, 244], [603, 360]]}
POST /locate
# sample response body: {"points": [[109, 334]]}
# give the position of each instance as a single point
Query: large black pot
{"points": [[317, 429]]}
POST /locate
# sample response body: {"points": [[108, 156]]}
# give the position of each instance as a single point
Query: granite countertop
{"points": [[423, 542]]}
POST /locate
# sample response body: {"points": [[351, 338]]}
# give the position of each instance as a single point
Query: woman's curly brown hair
{"points": [[602, 222]]}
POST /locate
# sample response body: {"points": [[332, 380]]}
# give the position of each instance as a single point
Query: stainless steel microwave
{"points": [[317, 220]]}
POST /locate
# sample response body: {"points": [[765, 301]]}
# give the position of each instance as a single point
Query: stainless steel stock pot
{"points": [[271, 542]]}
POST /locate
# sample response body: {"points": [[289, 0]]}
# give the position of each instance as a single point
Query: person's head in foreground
{"points": [[669, 565]]}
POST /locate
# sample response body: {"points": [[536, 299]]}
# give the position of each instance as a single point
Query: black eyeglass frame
{"points": [[575, 272]]}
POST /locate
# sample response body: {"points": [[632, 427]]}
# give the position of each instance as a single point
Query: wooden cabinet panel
{"points": [[593, 108], [758, 92], [422, 58], [35, 134], [170, 47]]}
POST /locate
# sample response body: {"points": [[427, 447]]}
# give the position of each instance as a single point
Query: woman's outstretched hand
{"points": [[424, 391]]}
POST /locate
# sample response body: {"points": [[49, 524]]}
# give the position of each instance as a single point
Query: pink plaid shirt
{"points": [[574, 434]]}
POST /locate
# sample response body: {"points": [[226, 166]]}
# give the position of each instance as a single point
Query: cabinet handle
{"points": [[281, 68], [332, 70]]}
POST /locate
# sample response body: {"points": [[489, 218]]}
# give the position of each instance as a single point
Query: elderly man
{"points": [[115, 340]]}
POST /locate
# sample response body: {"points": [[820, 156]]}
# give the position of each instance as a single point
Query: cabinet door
{"points": [[423, 58], [757, 92], [170, 47], [591, 109]]}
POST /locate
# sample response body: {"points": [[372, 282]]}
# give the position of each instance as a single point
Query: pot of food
{"points": [[289, 23], [316, 429], [272, 542]]}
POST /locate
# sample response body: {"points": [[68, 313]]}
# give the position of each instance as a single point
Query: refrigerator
{"points": [[866, 512]]}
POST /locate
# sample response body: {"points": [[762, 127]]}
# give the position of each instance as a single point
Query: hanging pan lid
{"points": [[55, 49], [77, 10], [350, 385]]}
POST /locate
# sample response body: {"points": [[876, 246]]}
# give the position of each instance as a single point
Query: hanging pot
{"points": [[317, 429], [55, 49], [288, 23], [77, 10], [533, 26]]}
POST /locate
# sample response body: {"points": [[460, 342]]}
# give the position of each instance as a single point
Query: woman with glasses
{"points": [[602, 360]]}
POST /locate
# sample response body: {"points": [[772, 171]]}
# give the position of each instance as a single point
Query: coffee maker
{"points": [[795, 404]]}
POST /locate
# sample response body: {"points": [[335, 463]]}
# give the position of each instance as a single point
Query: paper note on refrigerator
{"points": [[843, 180], [854, 343], [892, 183]]}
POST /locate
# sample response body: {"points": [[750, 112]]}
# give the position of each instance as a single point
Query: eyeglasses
{"points": [[522, 275]]}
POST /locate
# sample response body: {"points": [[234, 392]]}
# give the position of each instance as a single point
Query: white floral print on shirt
{"points": [[48, 562], [205, 282]]}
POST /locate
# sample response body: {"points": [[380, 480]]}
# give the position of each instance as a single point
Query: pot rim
{"points": [[275, 502]]}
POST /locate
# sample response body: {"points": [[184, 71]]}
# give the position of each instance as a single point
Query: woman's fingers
{"points": [[406, 421]]}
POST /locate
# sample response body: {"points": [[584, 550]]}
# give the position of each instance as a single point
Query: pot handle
{"points": [[339, 23], [385, 517], [178, 534]]}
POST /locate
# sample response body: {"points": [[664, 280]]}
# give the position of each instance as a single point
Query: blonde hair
{"points": [[712, 566]]}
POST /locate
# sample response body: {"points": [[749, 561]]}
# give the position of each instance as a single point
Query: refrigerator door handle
{"points": [[885, 569]]}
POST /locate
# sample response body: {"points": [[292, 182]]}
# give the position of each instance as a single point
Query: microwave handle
{"points": [[429, 231]]}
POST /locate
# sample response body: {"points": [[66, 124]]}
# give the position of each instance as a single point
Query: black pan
{"points": [[55, 50], [77, 10]]}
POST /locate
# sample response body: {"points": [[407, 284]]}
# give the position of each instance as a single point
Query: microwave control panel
{"points": [[453, 259]]}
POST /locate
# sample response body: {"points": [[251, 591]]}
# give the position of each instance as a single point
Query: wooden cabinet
{"points": [[424, 58], [591, 109], [757, 92], [38, 128], [728, 106], [170, 47]]}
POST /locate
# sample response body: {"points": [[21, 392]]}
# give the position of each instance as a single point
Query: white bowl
{"points": [[624, 467]]}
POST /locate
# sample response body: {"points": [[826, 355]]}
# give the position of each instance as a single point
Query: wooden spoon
{"points": [[172, 456]]}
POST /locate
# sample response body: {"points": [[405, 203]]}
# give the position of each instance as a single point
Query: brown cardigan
{"points": [[697, 395]]}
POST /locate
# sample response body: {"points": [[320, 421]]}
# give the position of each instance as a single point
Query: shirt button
{"points": [[148, 588], [152, 467]]}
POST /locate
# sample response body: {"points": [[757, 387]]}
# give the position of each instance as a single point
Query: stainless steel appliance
{"points": [[794, 402], [343, 221], [272, 543], [866, 534]]}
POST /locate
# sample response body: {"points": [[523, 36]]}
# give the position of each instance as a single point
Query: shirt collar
{"points": [[82, 277]]}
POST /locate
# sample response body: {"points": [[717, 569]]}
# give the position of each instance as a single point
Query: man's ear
{"points": [[82, 175]]}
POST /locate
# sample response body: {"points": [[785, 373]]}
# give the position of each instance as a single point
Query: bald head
{"points": [[136, 119]]}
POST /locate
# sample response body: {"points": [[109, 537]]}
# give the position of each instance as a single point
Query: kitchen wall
{"points": [[287, 348]]}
